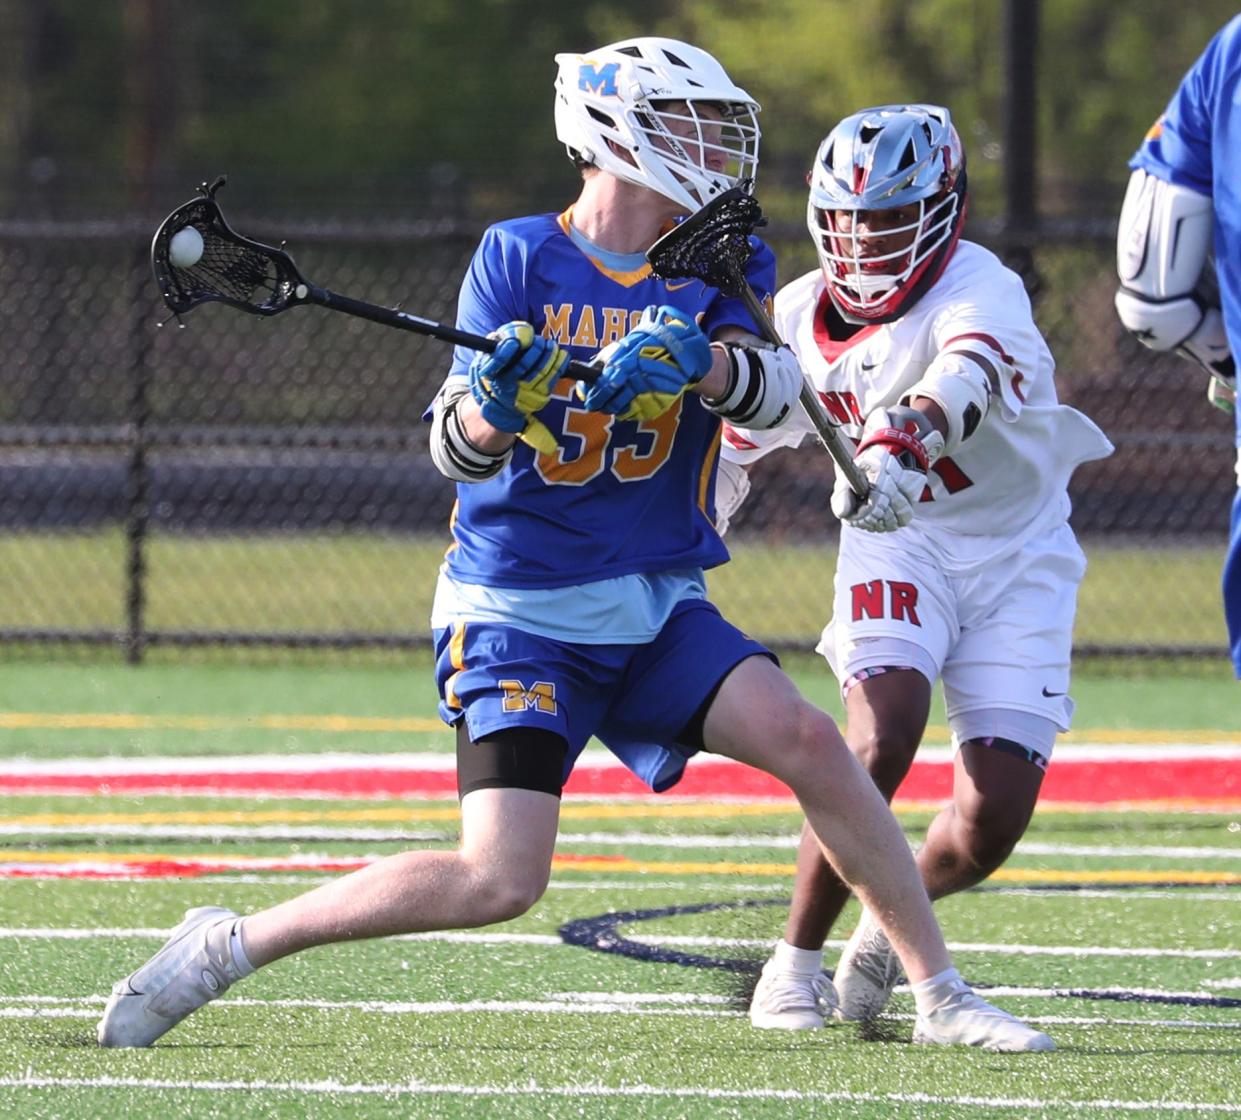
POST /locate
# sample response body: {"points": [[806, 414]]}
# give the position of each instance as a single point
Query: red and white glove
{"points": [[897, 447]]}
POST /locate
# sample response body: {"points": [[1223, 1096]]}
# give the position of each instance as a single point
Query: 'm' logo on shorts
{"points": [[541, 696]]}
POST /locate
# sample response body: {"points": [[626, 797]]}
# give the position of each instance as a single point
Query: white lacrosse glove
{"points": [[1208, 346], [732, 484], [897, 448]]}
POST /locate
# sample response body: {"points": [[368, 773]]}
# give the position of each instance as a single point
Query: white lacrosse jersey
{"points": [[1007, 482]]}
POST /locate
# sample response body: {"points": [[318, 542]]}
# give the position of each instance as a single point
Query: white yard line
{"points": [[1088, 894], [455, 936], [460, 937], [532, 1089], [346, 834], [446, 761], [231, 832], [960, 947], [677, 887], [595, 1003]]}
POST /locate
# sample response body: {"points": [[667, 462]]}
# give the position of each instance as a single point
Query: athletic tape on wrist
{"points": [[453, 453], [751, 399], [897, 441]]}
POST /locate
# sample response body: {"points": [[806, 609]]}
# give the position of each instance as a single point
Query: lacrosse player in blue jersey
{"points": [[1181, 204], [572, 603]]}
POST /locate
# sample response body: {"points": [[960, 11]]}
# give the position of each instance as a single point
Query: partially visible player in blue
{"points": [[573, 603], [1183, 208]]}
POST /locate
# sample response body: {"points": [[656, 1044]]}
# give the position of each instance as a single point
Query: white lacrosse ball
{"points": [[185, 249]]}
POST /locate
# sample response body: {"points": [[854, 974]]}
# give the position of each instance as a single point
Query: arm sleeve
{"points": [[987, 338]]}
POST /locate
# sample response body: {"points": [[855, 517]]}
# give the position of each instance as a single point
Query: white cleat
{"points": [[867, 973], [966, 1019], [191, 969], [791, 1001]]}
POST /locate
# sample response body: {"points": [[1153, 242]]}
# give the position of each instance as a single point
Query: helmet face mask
{"points": [[887, 199], [661, 114]]}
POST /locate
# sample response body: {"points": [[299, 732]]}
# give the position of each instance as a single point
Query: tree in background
{"points": [[326, 106], [1105, 71]]}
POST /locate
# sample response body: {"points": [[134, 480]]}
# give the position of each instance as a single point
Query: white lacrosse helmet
{"points": [[647, 96], [879, 159]]}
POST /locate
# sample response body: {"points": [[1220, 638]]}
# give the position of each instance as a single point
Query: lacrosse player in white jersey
{"points": [[959, 564]]}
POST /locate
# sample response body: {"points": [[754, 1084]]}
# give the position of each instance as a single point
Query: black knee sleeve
{"points": [[514, 758], [1007, 746], [691, 734]]}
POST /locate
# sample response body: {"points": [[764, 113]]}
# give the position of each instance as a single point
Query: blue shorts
{"points": [[1232, 587], [635, 698]]}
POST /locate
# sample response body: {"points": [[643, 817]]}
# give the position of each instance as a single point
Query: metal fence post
{"points": [[137, 475], [1020, 37]]}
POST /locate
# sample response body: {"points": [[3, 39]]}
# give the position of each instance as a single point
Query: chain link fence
{"points": [[252, 482]]}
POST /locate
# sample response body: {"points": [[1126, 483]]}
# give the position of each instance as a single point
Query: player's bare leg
{"points": [[948, 1011], [758, 717], [500, 869], [887, 716], [994, 794], [993, 799]]}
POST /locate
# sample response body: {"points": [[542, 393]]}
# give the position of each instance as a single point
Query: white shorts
{"points": [[1000, 638]]}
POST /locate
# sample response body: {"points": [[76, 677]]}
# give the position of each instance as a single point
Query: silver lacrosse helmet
{"points": [[887, 157], [659, 113]]}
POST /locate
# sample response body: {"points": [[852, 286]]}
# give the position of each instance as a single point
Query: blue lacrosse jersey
{"points": [[1197, 144], [617, 497]]}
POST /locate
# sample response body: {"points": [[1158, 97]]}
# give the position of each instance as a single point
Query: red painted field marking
{"points": [[1178, 774]]}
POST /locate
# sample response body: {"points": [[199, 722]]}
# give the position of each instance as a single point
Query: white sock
{"points": [[235, 944], [936, 990], [789, 958]]}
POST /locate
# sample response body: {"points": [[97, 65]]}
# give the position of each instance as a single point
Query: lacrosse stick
{"points": [[263, 280], [713, 245]]}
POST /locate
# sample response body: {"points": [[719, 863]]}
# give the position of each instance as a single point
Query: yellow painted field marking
{"points": [[236, 816], [1147, 735], [128, 721], [602, 864], [624, 865], [405, 814], [669, 809], [1004, 874], [1042, 875]]}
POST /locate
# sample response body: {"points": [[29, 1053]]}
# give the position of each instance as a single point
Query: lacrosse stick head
{"points": [[712, 244], [232, 269]]}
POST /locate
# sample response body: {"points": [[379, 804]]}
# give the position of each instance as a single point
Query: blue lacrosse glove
{"points": [[647, 370], [515, 380]]}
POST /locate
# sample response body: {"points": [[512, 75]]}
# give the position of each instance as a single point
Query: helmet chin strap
{"points": [[873, 285]]}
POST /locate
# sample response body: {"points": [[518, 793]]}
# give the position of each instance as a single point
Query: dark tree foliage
{"points": [[392, 106]]}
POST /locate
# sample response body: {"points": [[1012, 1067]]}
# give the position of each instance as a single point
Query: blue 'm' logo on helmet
{"points": [[601, 80]]}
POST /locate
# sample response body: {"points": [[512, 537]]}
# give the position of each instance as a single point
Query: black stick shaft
{"points": [[403, 320], [828, 435]]}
